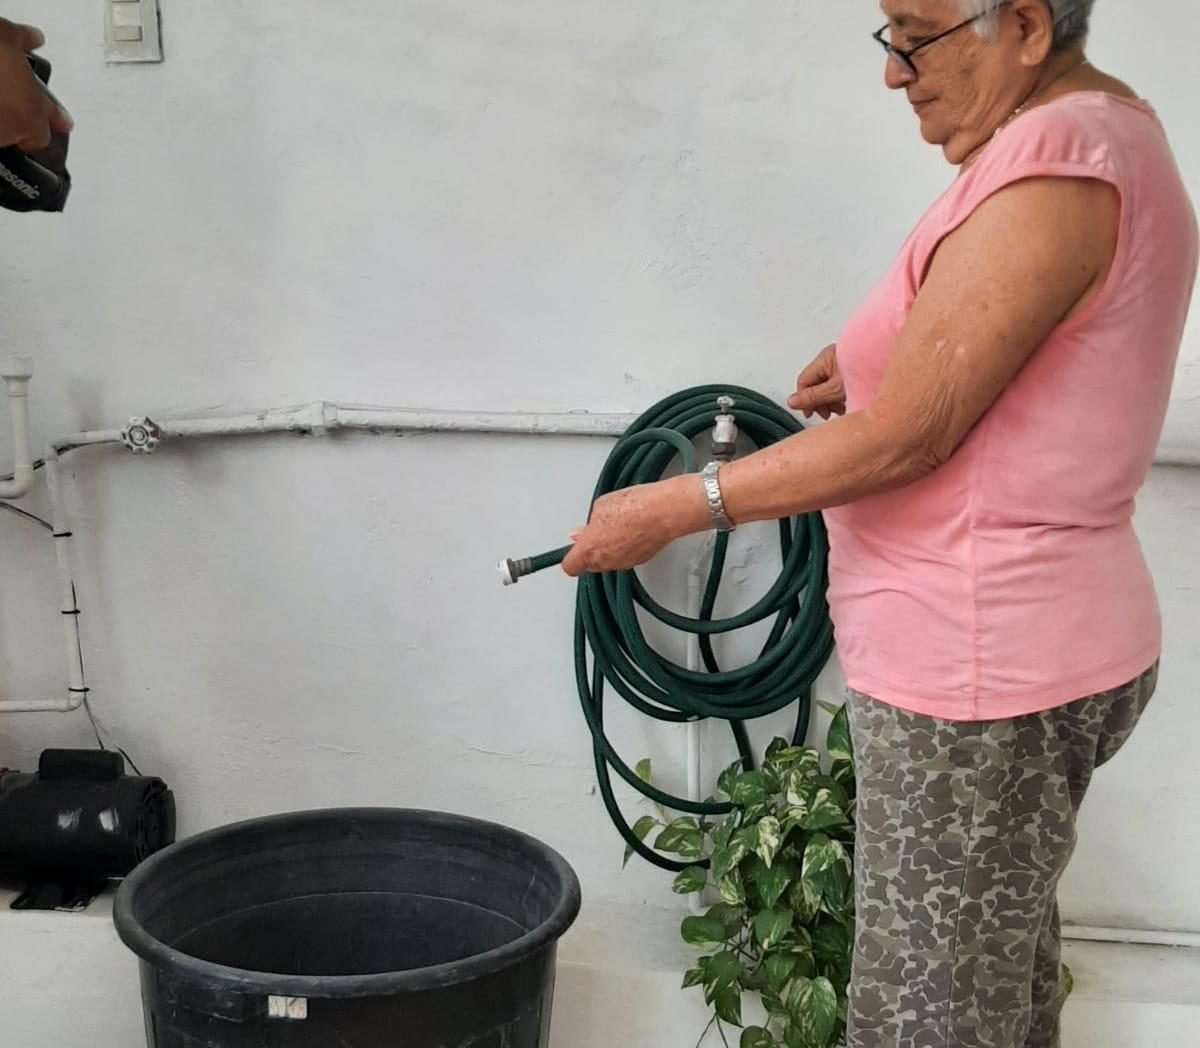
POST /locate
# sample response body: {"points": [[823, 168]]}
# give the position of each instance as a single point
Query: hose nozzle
{"points": [[513, 569]]}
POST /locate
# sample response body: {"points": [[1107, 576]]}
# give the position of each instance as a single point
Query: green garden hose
{"points": [[606, 619]]}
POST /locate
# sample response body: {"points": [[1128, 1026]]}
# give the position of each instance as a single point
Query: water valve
{"points": [[725, 431], [141, 436]]}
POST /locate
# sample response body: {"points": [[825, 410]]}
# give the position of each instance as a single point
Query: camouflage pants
{"points": [[964, 830]]}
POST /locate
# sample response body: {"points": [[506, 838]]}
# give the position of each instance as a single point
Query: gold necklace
{"points": [[1038, 94]]}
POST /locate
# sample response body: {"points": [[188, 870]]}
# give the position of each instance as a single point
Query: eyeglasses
{"points": [[905, 58]]}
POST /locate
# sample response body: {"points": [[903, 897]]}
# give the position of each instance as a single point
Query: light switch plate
{"points": [[132, 31]]}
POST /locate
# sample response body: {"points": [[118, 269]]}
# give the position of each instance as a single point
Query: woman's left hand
{"points": [[631, 526]]}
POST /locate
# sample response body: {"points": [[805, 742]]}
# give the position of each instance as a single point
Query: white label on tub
{"points": [[287, 1007]]}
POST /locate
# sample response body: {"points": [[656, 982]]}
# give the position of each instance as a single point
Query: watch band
{"points": [[712, 493]]}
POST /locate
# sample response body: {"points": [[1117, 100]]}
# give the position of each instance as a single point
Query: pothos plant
{"points": [[782, 863]]}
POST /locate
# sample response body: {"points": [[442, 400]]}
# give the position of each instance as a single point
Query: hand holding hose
{"points": [[629, 527]]}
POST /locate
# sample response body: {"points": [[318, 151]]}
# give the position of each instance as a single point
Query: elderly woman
{"points": [[1000, 395]]}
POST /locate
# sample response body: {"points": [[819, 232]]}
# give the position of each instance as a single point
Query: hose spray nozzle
{"points": [[513, 569]]}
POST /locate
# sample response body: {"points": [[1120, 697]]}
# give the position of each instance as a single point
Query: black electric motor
{"points": [[76, 823]]}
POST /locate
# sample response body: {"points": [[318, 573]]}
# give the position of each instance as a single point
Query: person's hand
{"points": [[28, 113], [631, 526], [820, 388]]}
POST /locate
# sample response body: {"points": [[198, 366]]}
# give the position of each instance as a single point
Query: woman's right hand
{"points": [[820, 388]]}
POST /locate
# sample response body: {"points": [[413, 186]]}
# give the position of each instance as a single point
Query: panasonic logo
{"points": [[19, 184]]}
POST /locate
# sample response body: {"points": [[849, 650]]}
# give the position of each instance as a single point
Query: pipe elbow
{"points": [[20, 485]]}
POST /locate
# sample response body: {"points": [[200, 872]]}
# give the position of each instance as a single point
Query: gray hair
{"points": [[1072, 18]]}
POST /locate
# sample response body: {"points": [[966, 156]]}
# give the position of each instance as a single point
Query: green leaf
{"points": [[738, 847], [808, 761], [771, 882], [827, 873], [804, 898], [705, 933], [829, 708], [840, 796], [799, 784], [831, 943], [727, 1004], [806, 967], [837, 741], [693, 879], [692, 977], [748, 790], [781, 762], [770, 836], [682, 837], [756, 1037], [643, 769], [779, 968], [731, 917], [727, 779], [722, 986], [721, 835], [793, 819], [813, 1006], [794, 1038], [770, 926], [777, 1012], [824, 812], [640, 829], [721, 971], [820, 855], [776, 746], [842, 773], [732, 889], [836, 890]]}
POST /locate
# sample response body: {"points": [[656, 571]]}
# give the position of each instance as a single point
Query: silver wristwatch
{"points": [[712, 492]]}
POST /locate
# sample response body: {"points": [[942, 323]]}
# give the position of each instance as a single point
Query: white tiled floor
{"points": [[67, 982], [1125, 996]]}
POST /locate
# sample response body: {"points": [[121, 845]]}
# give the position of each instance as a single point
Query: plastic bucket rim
{"points": [[262, 984]]}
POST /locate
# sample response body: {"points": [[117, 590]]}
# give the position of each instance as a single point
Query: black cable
{"points": [[87, 701], [27, 515]]}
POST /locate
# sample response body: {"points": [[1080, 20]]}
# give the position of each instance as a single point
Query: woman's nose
{"points": [[897, 73]]}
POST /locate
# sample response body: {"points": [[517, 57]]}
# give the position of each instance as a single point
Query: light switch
{"points": [[132, 31]]}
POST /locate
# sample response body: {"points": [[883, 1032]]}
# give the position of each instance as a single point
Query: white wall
{"points": [[542, 204]]}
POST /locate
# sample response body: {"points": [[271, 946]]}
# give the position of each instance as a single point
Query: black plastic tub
{"points": [[349, 928]]}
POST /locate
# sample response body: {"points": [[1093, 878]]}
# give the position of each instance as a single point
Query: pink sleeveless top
{"points": [[1010, 581]]}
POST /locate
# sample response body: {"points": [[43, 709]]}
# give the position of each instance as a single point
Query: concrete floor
{"points": [[67, 982]]}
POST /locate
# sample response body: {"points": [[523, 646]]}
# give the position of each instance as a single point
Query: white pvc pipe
{"points": [[577, 424], [321, 416], [1134, 936], [16, 372], [695, 587], [74, 696], [1178, 455]]}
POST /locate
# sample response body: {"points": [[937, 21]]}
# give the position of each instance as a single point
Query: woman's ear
{"points": [[1035, 24]]}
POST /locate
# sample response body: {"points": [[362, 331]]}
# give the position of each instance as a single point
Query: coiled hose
{"points": [[607, 626]]}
